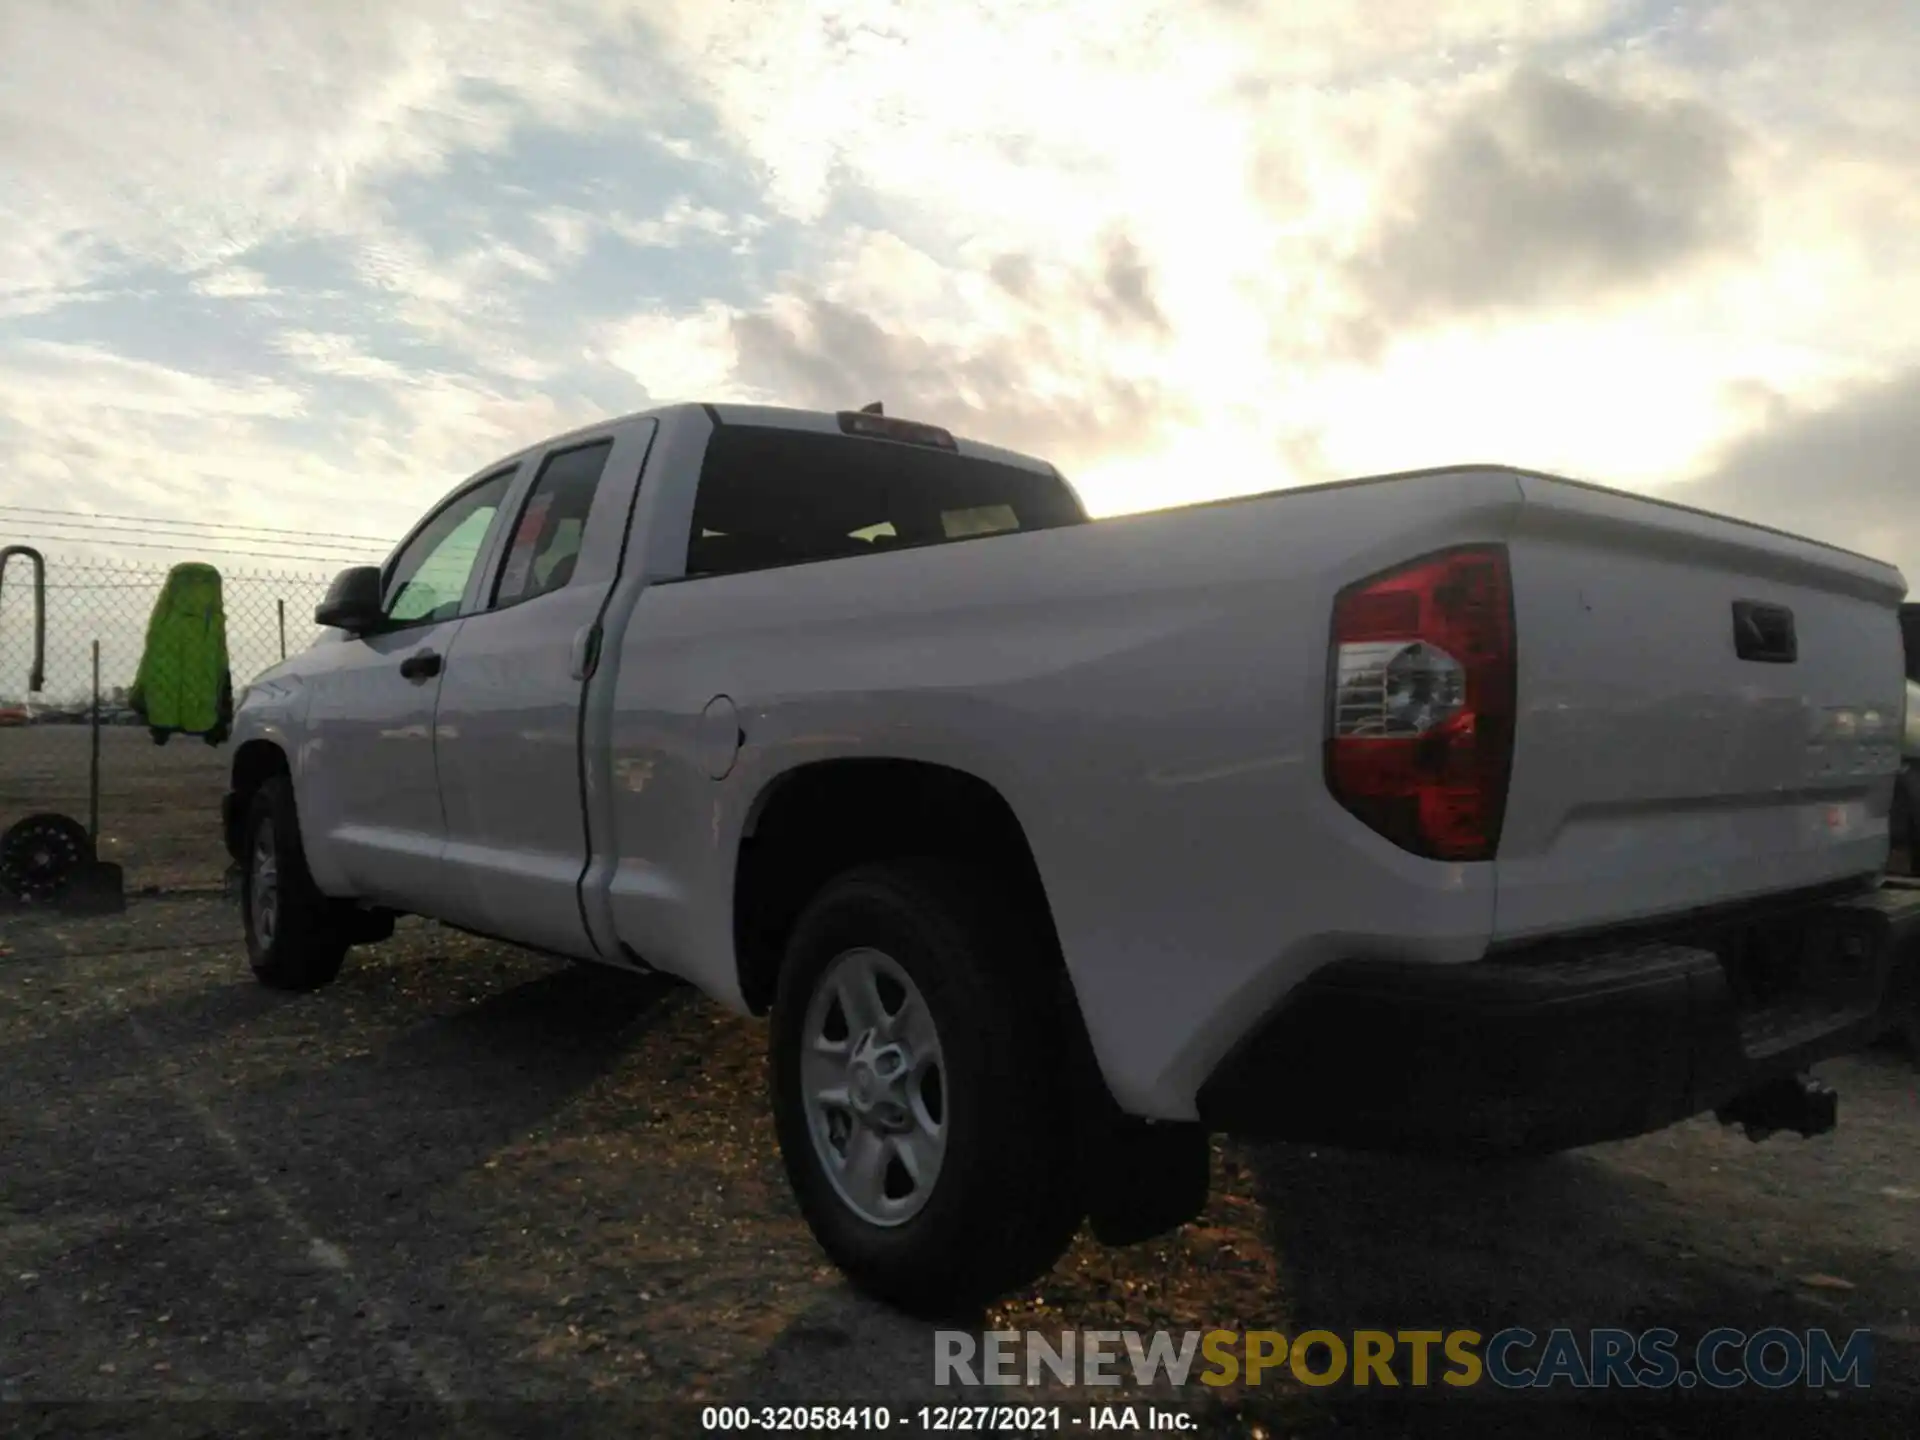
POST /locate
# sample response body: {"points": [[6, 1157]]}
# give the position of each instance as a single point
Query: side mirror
{"points": [[353, 601]]}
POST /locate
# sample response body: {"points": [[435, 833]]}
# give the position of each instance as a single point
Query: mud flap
{"points": [[1797, 1103], [1144, 1178], [370, 927], [1139, 1178]]}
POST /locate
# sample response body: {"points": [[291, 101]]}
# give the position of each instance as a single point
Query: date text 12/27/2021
{"points": [[943, 1419]]}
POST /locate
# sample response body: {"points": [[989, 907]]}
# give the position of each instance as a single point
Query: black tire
{"points": [[301, 944], [1005, 1202], [41, 855]]}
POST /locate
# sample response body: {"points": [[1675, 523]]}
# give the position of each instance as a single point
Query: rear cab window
{"points": [[546, 540], [770, 496]]}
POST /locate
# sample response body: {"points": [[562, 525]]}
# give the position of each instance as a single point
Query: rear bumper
{"points": [[1540, 1052]]}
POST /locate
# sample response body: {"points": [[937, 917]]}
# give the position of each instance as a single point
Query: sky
{"points": [[304, 267]]}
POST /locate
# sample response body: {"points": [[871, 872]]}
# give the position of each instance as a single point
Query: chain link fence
{"points": [[159, 804]]}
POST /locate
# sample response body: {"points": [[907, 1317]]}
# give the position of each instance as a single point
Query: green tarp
{"points": [[184, 685]]}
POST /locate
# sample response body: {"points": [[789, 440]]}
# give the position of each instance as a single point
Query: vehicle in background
{"points": [[65, 713], [1472, 809]]}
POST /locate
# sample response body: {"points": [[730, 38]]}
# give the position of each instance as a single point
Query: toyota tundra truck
{"points": [[1470, 810]]}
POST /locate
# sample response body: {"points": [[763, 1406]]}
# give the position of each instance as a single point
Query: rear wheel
{"points": [[919, 1089], [296, 937]]}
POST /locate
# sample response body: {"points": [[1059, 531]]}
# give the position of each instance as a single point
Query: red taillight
{"points": [[1420, 730]]}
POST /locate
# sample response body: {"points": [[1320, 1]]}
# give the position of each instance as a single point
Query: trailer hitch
{"points": [[1792, 1102]]}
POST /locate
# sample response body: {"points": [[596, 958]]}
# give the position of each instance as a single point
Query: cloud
{"points": [[89, 381], [342, 443], [1547, 191], [324, 354], [87, 429], [680, 221], [1837, 75], [233, 282], [678, 357], [1845, 473], [1013, 273], [217, 132], [1059, 361], [1016, 388], [362, 249], [1126, 292]]}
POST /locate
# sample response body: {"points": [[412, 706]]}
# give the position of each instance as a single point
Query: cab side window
{"points": [[429, 576], [546, 542]]}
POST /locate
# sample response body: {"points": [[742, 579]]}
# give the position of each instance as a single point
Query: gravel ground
{"points": [[465, 1187], [159, 804]]}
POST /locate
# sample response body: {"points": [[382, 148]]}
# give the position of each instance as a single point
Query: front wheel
{"points": [[919, 1090], [296, 937]]}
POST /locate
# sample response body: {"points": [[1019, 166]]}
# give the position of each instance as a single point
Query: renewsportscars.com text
{"points": [[1514, 1358]]}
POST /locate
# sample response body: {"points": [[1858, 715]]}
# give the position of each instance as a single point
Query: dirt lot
{"points": [[466, 1175], [469, 1191], [159, 804]]}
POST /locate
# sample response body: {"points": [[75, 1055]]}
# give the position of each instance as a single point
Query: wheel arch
{"points": [[814, 821], [254, 763]]}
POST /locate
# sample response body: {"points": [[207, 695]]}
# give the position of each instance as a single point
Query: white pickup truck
{"points": [[1470, 809]]}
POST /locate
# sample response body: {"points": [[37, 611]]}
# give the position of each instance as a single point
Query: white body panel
{"points": [[1654, 771], [1148, 694], [377, 824], [507, 731]]}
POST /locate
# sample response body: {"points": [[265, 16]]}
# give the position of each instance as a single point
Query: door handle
{"points": [[1764, 633], [585, 657], [421, 665]]}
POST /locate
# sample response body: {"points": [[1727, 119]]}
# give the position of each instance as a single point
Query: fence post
{"points": [[281, 606], [93, 760]]}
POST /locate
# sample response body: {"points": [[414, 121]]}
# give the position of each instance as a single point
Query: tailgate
{"points": [[1709, 711]]}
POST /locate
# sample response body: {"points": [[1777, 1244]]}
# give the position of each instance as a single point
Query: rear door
{"points": [[507, 727]]}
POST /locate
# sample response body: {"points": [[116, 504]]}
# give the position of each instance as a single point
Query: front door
{"points": [[370, 790], [507, 729]]}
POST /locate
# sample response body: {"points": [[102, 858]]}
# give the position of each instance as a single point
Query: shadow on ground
{"points": [[1691, 1231]]}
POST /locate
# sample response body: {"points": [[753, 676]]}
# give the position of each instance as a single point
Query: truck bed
{"points": [[1149, 693]]}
